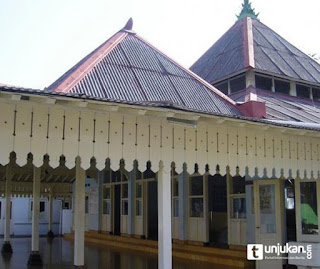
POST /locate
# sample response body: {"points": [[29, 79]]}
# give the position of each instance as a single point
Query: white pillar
{"points": [[183, 202], [6, 248], [36, 209], [164, 217], [7, 203], [79, 219], [50, 211], [50, 232], [132, 198], [35, 258]]}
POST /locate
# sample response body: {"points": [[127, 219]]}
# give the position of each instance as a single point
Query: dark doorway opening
{"points": [[152, 210], [218, 214], [290, 210], [117, 213]]}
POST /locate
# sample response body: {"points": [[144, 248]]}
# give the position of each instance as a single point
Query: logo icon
{"points": [[255, 252]]}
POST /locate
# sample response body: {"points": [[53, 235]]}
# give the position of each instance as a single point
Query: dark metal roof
{"points": [[271, 54], [274, 54], [284, 107], [225, 57], [127, 68]]}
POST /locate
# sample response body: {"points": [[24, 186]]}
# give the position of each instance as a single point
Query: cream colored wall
{"points": [[214, 141]]}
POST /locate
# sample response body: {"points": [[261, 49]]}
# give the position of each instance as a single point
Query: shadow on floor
{"points": [[58, 254]]}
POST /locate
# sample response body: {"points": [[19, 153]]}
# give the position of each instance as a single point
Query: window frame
{"points": [[300, 235], [174, 198], [191, 197]]}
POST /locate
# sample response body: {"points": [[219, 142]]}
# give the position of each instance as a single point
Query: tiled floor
{"points": [[58, 254]]}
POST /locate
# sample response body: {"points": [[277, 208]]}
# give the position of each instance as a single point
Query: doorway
{"points": [[152, 211], [117, 210], [269, 218], [218, 213]]}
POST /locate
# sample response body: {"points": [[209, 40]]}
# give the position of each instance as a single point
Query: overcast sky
{"points": [[40, 40]]}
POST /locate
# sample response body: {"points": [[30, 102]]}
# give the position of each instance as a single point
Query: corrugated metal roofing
{"points": [[287, 59], [272, 54], [127, 68], [225, 57], [284, 107]]}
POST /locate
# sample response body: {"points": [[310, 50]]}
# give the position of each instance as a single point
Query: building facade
{"points": [[148, 149]]}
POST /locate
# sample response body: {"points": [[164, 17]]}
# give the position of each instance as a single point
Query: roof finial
{"points": [[128, 25], [247, 11]]}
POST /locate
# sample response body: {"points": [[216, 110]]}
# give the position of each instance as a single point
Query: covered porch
{"points": [[199, 176]]}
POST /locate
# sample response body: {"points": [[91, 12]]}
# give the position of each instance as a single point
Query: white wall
{"points": [[22, 221]]}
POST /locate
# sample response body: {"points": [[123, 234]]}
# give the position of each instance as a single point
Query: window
{"points": [[106, 193], [237, 84], [289, 194], [238, 185], [175, 196], [87, 205], [66, 205], [106, 196], [239, 210], [263, 83], [303, 91], [42, 206], [223, 87], [107, 176], [138, 199], [42, 210], [196, 185], [316, 93], [124, 197], [282, 86], [238, 198], [267, 205], [196, 196], [116, 176], [309, 209], [197, 207]]}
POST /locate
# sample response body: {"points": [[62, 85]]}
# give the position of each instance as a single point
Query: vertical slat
{"points": [[142, 142], [101, 146], [201, 152], [190, 144], [39, 134], [115, 147], [55, 135], [179, 154], [129, 148], [6, 131], [212, 146], [155, 140], [71, 141], [86, 138], [22, 142]]}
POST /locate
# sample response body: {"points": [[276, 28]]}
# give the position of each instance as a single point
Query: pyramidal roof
{"points": [[127, 68], [249, 44]]}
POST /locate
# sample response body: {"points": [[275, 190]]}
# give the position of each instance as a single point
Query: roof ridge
{"points": [[105, 48], [248, 43]]}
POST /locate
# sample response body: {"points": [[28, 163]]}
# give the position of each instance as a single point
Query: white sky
{"points": [[40, 40]]}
